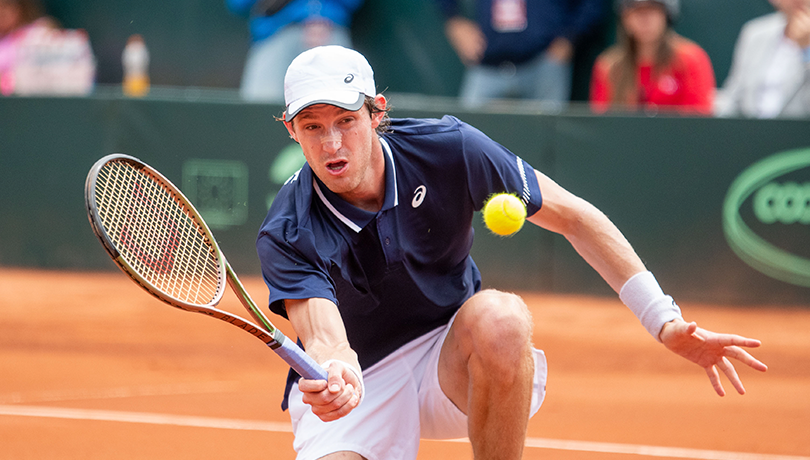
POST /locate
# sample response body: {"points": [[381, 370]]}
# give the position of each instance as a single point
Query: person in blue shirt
{"points": [[277, 37], [366, 250], [520, 49]]}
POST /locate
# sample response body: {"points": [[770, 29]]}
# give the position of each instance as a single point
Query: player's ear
{"points": [[289, 126], [376, 118], [380, 101]]}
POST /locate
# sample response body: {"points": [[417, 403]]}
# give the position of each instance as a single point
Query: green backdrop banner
{"points": [[719, 209]]}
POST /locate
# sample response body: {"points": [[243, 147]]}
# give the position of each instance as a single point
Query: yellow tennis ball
{"points": [[504, 214]]}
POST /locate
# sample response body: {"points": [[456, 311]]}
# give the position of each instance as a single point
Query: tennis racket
{"points": [[157, 237]]}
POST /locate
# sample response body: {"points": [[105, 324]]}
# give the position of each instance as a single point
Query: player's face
{"points": [[341, 148], [646, 22]]}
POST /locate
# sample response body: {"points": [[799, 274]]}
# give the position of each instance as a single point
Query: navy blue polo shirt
{"points": [[405, 270]]}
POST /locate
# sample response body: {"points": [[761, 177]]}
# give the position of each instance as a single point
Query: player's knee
{"points": [[504, 313], [502, 327]]}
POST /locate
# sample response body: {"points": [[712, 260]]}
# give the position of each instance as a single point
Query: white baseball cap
{"points": [[327, 75]]}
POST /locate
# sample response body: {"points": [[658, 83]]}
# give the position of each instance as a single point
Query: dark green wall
{"points": [[662, 180], [200, 43]]}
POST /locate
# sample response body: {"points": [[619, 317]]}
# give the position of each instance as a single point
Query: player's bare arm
{"points": [[603, 246], [591, 233], [320, 327]]}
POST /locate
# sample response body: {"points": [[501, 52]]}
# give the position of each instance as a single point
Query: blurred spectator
{"points": [[281, 35], [651, 66], [17, 19], [519, 48], [769, 70]]}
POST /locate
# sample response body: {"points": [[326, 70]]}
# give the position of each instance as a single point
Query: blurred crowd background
{"points": [[415, 46]]}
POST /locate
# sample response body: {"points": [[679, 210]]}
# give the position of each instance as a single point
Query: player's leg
{"points": [[486, 368], [386, 425]]}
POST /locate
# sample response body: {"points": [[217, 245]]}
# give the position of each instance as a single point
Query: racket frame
{"points": [[264, 330]]}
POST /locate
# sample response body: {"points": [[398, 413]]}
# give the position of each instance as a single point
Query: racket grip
{"points": [[300, 361]]}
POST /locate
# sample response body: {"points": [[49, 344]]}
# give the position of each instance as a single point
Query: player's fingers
{"points": [[728, 369], [740, 341], [311, 386], [714, 377], [318, 399], [746, 358], [340, 407], [727, 340], [319, 393], [335, 378]]}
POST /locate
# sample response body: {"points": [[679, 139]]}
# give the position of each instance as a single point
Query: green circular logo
{"points": [[773, 202]]}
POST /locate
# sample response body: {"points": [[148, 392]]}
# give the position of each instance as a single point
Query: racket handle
{"points": [[299, 360]]}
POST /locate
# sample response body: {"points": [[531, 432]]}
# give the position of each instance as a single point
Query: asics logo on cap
{"points": [[349, 78]]}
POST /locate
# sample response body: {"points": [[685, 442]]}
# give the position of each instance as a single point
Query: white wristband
{"points": [[357, 373], [642, 294]]}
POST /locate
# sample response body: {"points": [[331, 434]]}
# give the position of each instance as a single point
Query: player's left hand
{"points": [[711, 351]]}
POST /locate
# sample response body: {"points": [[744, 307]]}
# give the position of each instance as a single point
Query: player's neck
{"points": [[370, 196]]}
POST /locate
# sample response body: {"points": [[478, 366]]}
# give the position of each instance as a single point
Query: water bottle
{"points": [[136, 67]]}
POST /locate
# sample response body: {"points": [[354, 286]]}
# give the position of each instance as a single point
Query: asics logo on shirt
{"points": [[419, 196]]}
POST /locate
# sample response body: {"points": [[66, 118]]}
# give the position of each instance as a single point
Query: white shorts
{"points": [[389, 423]]}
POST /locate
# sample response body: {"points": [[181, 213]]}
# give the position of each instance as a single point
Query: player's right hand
{"points": [[333, 398]]}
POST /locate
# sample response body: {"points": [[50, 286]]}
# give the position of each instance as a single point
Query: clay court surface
{"points": [[91, 367]]}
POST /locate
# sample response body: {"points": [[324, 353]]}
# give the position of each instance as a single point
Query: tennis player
{"points": [[366, 251]]}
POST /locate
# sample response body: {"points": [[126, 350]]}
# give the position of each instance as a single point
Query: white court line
{"points": [[649, 451], [144, 417], [284, 427], [121, 392]]}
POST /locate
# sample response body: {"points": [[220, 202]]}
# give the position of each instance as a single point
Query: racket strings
{"points": [[157, 234]]}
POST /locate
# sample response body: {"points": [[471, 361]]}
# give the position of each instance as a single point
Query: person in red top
{"points": [[651, 66]]}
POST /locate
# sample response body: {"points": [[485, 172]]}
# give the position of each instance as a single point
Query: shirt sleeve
{"points": [[292, 268], [492, 168]]}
